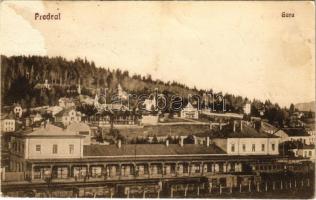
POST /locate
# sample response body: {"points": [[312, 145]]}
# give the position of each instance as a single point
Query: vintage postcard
{"points": [[158, 99]]}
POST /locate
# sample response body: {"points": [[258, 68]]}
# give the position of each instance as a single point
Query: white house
{"points": [[247, 108], [17, 110], [150, 104], [8, 125], [306, 151], [294, 134], [189, 112], [245, 140], [121, 93], [47, 142], [68, 116]]}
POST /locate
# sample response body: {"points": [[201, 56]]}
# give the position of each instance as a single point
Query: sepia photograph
{"points": [[157, 99]]}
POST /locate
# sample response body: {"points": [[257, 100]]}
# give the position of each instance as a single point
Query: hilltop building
{"points": [[189, 112], [8, 123], [150, 104], [17, 110], [121, 93], [294, 134], [68, 116]]}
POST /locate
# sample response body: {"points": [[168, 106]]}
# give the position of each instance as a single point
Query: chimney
{"points": [[234, 126], [167, 143], [207, 141], [181, 141], [119, 144]]}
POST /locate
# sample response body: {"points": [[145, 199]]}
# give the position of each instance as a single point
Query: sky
{"points": [[243, 48]]}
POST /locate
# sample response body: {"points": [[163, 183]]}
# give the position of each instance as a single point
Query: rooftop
{"points": [[295, 132], [245, 132], [78, 127], [310, 146], [48, 131], [65, 112], [150, 150], [267, 126]]}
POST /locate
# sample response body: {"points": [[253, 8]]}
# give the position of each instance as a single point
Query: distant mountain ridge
{"points": [[307, 106]]}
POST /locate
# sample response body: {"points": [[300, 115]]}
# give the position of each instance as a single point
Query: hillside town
{"points": [[94, 146]]}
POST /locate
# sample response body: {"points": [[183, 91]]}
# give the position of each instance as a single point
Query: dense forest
{"points": [[22, 77]]}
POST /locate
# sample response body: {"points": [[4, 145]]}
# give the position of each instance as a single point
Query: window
{"points": [[273, 147], [220, 167], [243, 147], [55, 150], [71, 149], [173, 169], [253, 147], [209, 167], [310, 153], [262, 147], [232, 167], [233, 148], [305, 153], [197, 169], [38, 147]]}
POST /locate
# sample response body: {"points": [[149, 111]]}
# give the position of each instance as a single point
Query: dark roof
{"points": [[246, 132], [150, 150], [65, 112], [48, 131], [292, 132], [305, 146]]}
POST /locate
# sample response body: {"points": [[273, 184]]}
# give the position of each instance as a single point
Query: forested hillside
{"points": [[22, 75]]}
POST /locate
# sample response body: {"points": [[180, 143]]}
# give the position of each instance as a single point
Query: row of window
{"points": [[18, 146], [16, 166], [112, 170], [55, 148], [253, 147], [72, 118], [309, 153]]}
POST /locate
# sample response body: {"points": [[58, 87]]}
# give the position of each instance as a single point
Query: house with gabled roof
{"points": [[294, 134], [47, 142], [241, 139], [305, 151], [68, 116], [8, 123], [189, 112]]}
